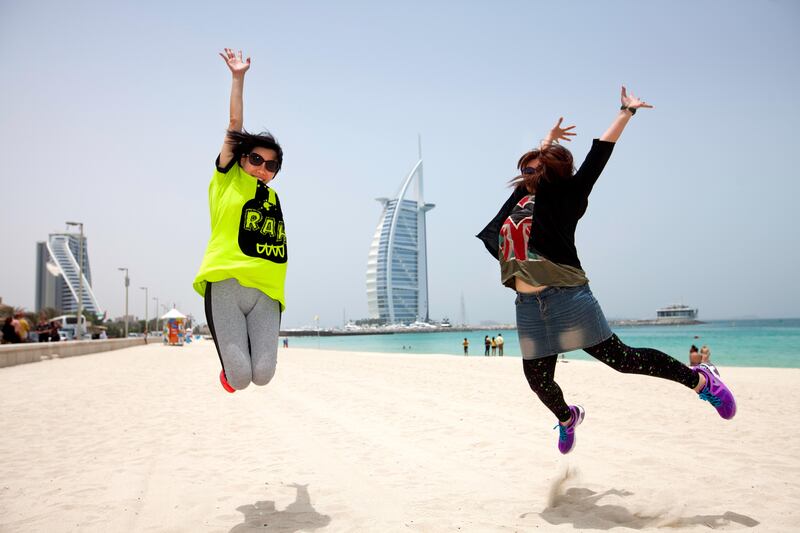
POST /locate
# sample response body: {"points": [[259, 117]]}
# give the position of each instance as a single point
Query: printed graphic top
{"points": [[560, 204], [518, 260], [248, 237]]}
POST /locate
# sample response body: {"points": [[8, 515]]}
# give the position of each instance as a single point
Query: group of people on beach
{"points": [[17, 329], [699, 355], [532, 237], [493, 345]]}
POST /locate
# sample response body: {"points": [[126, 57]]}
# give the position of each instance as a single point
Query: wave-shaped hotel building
{"points": [[59, 262], [397, 265]]}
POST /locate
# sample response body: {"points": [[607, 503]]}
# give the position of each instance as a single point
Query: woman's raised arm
{"points": [[630, 104], [238, 68]]}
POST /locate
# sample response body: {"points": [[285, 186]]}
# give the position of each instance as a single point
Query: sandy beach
{"points": [[145, 439]]}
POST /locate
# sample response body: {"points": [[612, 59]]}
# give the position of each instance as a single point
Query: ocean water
{"points": [[761, 343]]}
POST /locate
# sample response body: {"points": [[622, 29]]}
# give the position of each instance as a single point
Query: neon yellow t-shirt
{"points": [[248, 237]]}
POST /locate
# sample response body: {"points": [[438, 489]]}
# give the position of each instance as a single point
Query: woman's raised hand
{"points": [[235, 62], [631, 101], [561, 134], [557, 134]]}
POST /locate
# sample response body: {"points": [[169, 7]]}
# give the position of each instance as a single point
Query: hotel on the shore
{"points": [[397, 265], [57, 274]]}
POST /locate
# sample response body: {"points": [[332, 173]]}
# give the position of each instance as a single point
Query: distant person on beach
{"points": [[705, 354], [55, 336], [487, 345], [533, 237], [694, 356], [286, 342], [705, 359], [465, 344], [10, 334], [244, 268], [494, 346], [23, 327], [43, 329], [499, 341]]}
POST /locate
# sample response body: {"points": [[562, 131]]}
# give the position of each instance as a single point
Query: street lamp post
{"points": [[79, 325], [158, 320], [146, 316], [127, 282]]}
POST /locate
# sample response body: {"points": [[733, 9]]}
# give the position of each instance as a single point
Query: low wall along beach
{"points": [[18, 354]]}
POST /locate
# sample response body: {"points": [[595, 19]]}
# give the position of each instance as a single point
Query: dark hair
{"points": [[556, 161], [693, 349], [242, 143]]}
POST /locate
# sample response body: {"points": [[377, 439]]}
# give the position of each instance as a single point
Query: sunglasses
{"points": [[530, 170], [256, 160]]}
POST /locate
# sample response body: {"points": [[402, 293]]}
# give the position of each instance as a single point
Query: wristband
{"points": [[631, 109]]}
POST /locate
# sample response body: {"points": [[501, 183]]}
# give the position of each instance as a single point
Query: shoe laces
{"points": [[710, 398], [562, 432]]}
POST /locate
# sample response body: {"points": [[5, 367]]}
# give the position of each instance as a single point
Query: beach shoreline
{"points": [[145, 439]]}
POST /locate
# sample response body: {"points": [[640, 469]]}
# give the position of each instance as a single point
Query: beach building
{"points": [[57, 274], [397, 264], [676, 312]]}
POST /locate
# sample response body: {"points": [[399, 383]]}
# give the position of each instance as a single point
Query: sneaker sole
{"points": [[224, 383]]}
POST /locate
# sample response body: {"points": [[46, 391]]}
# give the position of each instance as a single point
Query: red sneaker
{"points": [[224, 382]]}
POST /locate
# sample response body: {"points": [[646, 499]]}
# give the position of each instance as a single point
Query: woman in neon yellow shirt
{"points": [[244, 268]]}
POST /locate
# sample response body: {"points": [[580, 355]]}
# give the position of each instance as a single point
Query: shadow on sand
{"points": [[298, 515], [580, 507]]}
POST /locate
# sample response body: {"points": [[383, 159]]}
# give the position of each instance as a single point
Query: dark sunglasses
{"points": [[256, 160], [531, 170]]}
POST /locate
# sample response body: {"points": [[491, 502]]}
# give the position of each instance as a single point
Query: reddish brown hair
{"points": [[556, 161]]}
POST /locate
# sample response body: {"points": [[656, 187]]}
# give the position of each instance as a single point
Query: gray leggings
{"points": [[244, 323]]}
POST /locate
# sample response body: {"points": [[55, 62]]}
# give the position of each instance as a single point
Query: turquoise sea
{"points": [[764, 343]]}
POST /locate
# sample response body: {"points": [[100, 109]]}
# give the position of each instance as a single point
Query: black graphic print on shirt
{"points": [[261, 230]]}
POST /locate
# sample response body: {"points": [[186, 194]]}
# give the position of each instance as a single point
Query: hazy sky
{"points": [[112, 114]]}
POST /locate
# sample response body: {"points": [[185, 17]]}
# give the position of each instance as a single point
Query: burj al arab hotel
{"points": [[397, 265]]}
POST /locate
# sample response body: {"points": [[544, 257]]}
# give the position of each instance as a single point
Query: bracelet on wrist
{"points": [[626, 108]]}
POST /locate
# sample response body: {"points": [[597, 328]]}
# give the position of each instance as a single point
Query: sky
{"points": [[112, 113]]}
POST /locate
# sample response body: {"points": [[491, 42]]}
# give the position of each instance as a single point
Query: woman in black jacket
{"points": [[533, 237]]}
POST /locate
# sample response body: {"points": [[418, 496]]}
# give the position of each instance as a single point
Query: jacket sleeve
{"points": [[586, 176], [490, 235]]}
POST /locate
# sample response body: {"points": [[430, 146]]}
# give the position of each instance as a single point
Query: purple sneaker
{"points": [[717, 394], [566, 437]]}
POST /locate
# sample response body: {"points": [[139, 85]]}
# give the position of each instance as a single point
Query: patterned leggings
{"points": [[540, 373]]}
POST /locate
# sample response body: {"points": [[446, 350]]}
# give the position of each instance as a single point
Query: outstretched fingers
{"points": [[235, 61], [632, 101], [559, 133]]}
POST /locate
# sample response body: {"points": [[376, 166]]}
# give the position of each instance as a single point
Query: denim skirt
{"points": [[558, 320]]}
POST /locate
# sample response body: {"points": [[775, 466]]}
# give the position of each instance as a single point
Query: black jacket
{"points": [[558, 207]]}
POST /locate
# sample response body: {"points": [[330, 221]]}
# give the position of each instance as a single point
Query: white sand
{"points": [[145, 439]]}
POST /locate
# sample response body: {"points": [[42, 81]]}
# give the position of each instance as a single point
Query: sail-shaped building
{"points": [[58, 274], [397, 265]]}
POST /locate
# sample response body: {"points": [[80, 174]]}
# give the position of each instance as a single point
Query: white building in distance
{"points": [[397, 265]]}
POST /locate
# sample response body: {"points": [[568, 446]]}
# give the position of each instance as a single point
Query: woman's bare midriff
{"points": [[527, 288]]}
